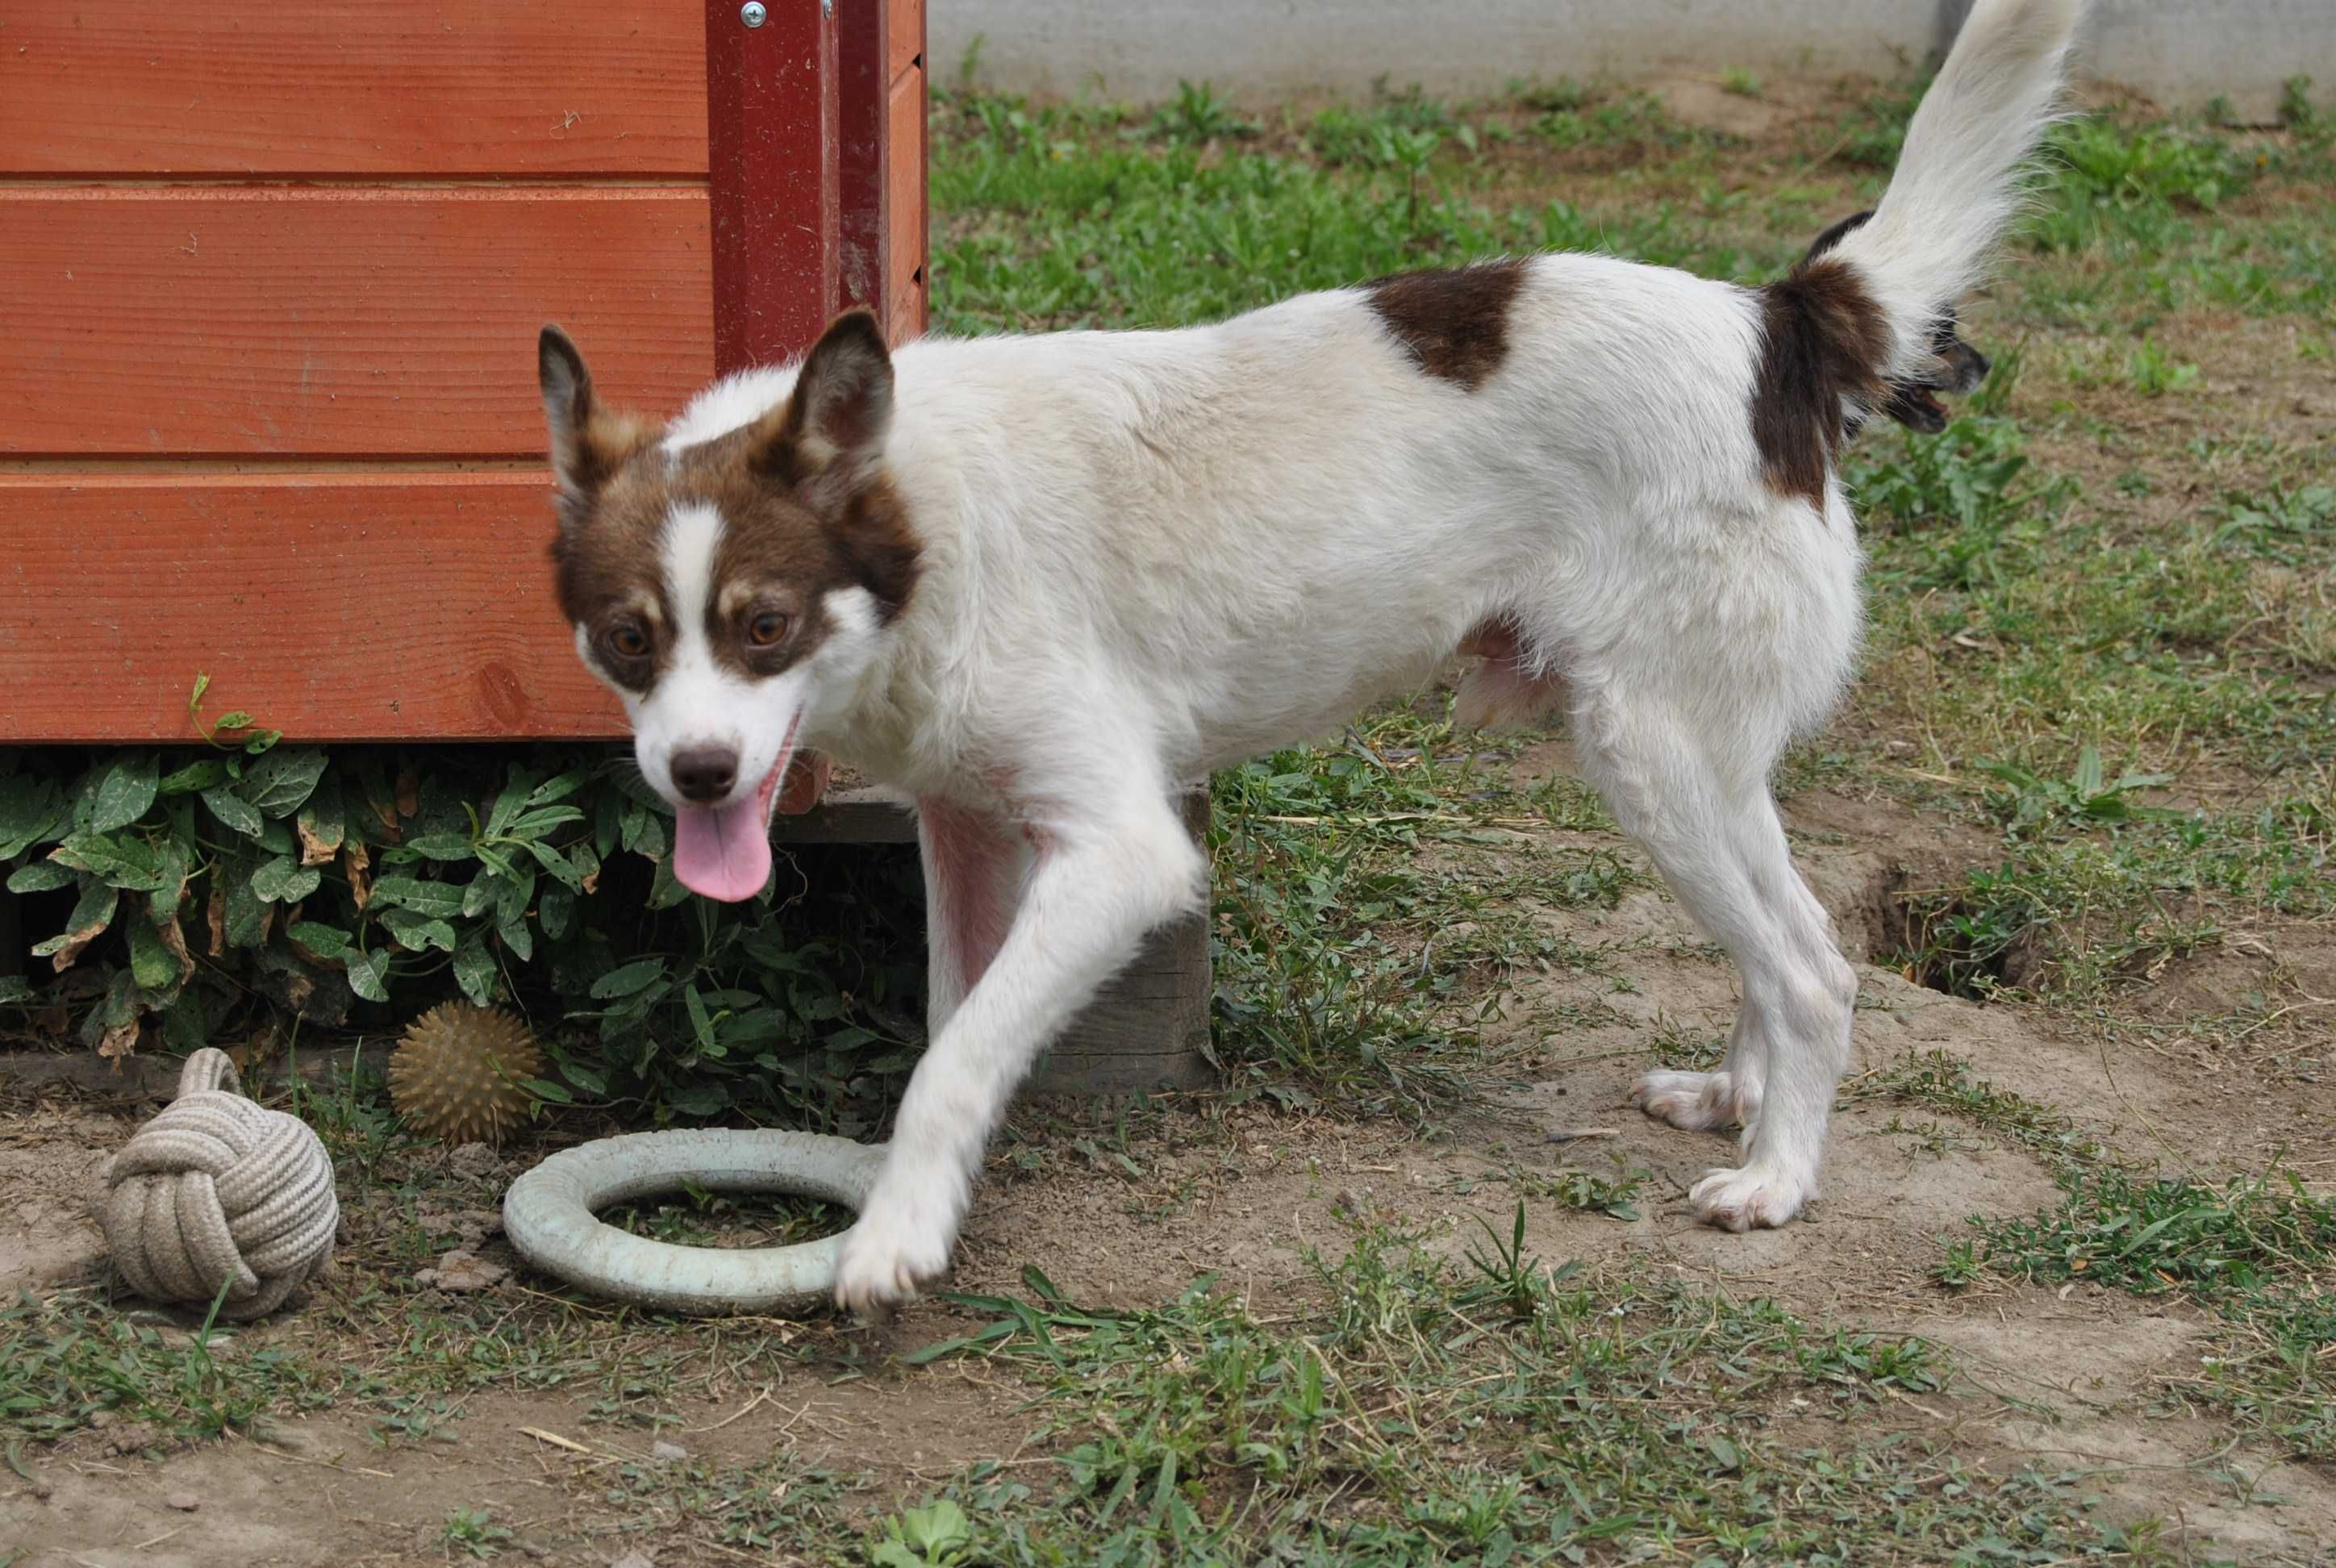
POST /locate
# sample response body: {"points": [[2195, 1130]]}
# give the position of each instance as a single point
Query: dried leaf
{"points": [[353, 860], [175, 940], [119, 1042], [409, 792], [91, 916], [314, 850], [216, 916], [807, 778]]}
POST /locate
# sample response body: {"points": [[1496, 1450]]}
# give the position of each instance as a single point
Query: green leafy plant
{"points": [[933, 1537], [474, 1532], [189, 887], [2087, 795], [1198, 115], [2108, 178], [2154, 373]]}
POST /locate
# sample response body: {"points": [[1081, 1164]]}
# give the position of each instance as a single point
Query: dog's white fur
{"points": [[1149, 555]]}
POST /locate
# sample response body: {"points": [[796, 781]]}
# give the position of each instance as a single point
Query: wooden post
{"points": [[1148, 1029], [773, 176], [881, 56]]}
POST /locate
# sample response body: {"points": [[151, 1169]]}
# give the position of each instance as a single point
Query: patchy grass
{"points": [[1491, 1410]]}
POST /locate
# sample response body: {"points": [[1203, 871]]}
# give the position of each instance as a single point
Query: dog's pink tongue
{"points": [[723, 852]]}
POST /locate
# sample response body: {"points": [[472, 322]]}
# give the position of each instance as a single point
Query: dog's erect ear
{"points": [[830, 436], [589, 443], [567, 402]]}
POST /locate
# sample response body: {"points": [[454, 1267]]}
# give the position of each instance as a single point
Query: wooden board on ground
{"points": [[1148, 1029]]}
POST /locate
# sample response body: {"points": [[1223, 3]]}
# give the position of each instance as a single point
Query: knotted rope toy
{"points": [[216, 1192]]}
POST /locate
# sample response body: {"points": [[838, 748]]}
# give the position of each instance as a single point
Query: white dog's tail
{"points": [[1956, 184]]}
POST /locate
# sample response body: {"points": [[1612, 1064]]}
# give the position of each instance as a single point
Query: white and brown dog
{"points": [[1039, 581]]}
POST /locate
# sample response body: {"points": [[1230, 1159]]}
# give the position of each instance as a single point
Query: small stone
{"points": [[475, 1160], [632, 1560], [134, 1438], [44, 1489], [460, 1272], [184, 1501], [666, 1453]]}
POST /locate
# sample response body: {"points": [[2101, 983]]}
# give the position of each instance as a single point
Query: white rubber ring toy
{"points": [[549, 1215]]}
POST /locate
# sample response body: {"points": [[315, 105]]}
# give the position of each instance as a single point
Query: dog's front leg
{"points": [[1100, 879]]}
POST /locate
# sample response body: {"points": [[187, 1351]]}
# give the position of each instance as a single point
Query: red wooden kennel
{"points": [[270, 278]]}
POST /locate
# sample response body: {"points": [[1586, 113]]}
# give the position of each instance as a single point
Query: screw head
{"points": [[753, 13]]}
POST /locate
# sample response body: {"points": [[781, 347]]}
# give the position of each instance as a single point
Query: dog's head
{"points": [[734, 592], [1955, 367]]}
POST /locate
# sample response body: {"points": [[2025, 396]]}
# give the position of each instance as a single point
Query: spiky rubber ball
{"points": [[459, 1073]]}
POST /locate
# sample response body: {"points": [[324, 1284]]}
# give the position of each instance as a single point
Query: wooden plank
{"points": [[904, 36], [336, 322], [905, 199], [771, 106], [882, 123], [1148, 1026], [337, 607], [307, 87], [867, 815], [863, 126]]}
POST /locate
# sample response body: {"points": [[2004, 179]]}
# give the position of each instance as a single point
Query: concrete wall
{"points": [[2179, 52]]}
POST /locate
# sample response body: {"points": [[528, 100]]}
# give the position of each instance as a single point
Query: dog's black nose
{"points": [[705, 773]]}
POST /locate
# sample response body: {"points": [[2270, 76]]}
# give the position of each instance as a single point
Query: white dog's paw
{"points": [[1693, 1101], [888, 1257], [1751, 1197]]}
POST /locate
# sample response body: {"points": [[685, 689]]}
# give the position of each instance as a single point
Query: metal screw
{"points": [[753, 13], [827, 9]]}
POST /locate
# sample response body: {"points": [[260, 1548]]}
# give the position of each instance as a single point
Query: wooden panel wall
{"points": [[334, 88], [271, 276]]}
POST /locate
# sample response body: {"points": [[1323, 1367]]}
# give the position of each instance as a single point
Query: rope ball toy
{"points": [[217, 1191]]}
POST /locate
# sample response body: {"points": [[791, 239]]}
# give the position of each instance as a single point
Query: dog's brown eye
{"points": [[630, 642], [767, 628]]}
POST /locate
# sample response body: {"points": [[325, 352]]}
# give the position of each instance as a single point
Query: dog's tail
{"points": [[1957, 185]]}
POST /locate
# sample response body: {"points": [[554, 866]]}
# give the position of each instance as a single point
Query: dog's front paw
{"points": [[888, 1257], [1751, 1197], [1693, 1101]]}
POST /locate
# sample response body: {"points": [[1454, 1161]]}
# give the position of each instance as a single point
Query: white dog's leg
{"points": [[1727, 1097], [1700, 804], [1100, 880]]}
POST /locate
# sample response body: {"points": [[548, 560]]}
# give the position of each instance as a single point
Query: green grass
{"points": [[2258, 1250], [1495, 1410], [70, 1362], [1077, 216]]}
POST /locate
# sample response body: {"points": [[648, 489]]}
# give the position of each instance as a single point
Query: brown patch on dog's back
{"points": [[1453, 321], [1824, 340]]}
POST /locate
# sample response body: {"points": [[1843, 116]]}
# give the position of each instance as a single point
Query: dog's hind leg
{"points": [[974, 863], [1686, 773]]}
